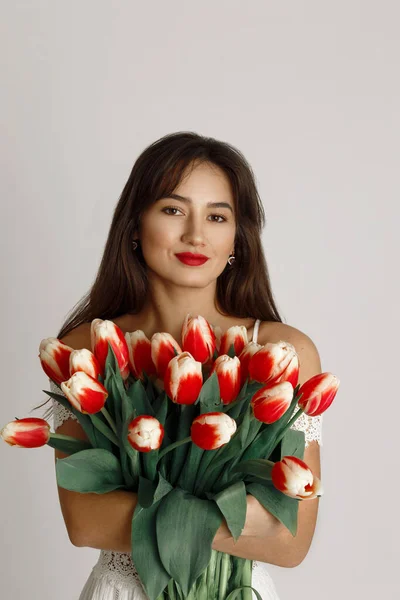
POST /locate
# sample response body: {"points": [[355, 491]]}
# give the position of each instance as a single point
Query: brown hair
{"points": [[243, 289]]}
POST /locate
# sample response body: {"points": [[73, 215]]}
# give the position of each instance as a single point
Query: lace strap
{"points": [[60, 413], [311, 426]]}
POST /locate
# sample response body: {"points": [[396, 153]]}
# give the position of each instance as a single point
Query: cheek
{"points": [[157, 235]]}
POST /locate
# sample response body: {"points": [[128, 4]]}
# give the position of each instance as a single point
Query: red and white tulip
{"points": [[31, 432], [84, 360], [163, 346], [104, 332], [198, 338], [54, 358], [293, 477], [244, 357], [145, 433], [271, 402], [275, 362], [183, 379], [139, 348], [212, 430], [85, 393], [236, 335], [228, 373], [318, 393]]}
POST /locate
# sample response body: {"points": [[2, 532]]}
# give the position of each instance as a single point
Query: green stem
{"points": [[173, 446], [211, 573], [59, 436], [246, 579], [223, 576], [171, 590], [109, 419], [216, 577]]}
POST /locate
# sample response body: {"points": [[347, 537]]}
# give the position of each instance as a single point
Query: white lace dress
{"points": [[114, 576]]}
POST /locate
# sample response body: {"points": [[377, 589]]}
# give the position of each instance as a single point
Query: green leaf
{"points": [[245, 426], [284, 508], [293, 444], [146, 491], [139, 399], [162, 409], [152, 491], [210, 396], [111, 364], [263, 443], [123, 442], [145, 554], [69, 446], [188, 475], [186, 527], [95, 470], [233, 505], [110, 370]]}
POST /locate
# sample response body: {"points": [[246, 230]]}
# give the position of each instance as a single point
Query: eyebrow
{"points": [[209, 204]]}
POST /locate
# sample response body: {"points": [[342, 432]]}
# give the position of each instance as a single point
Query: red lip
{"points": [[192, 259]]}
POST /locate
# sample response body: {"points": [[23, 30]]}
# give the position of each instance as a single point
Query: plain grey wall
{"points": [[309, 92]]}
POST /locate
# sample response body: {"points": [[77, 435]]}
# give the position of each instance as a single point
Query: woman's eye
{"points": [[175, 208]]}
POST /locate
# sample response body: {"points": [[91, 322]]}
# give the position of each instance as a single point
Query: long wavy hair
{"points": [[243, 290]]}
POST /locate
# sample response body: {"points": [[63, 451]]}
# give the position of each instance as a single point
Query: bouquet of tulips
{"points": [[192, 431]]}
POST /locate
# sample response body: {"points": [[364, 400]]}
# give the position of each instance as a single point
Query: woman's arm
{"points": [[264, 538]]}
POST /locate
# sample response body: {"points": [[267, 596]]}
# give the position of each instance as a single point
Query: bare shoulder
{"points": [[79, 337], [309, 358], [271, 331]]}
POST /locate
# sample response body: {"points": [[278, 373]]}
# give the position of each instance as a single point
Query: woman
{"points": [[186, 195]]}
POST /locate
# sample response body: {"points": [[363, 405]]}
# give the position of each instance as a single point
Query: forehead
{"points": [[204, 183]]}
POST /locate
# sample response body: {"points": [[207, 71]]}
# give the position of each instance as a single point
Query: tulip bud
{"points": [[228, 373], [104, 332], [31, 432], [293, 477], [198, 338], [139, 348], [162, 351], [183, 379], [212, 430], [270, 402], [145, 433], [318, 393], [244, 357], [54, 358], [291, 373], [269, 364], [236, 335], [84, 360], [85, 393]]}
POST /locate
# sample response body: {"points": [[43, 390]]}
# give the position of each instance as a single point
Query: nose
{"points": [[193, 234]]}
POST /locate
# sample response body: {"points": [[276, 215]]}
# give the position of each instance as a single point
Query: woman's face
{"points": [[173, 225]]}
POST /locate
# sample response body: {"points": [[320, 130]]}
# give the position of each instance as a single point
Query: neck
{"points": [[166, 310]]}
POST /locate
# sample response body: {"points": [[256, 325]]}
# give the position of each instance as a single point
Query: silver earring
{"points": [[134, 245], [231, 259]]}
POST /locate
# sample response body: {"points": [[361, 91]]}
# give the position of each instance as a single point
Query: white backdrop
{"points": [[309, 92]]}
